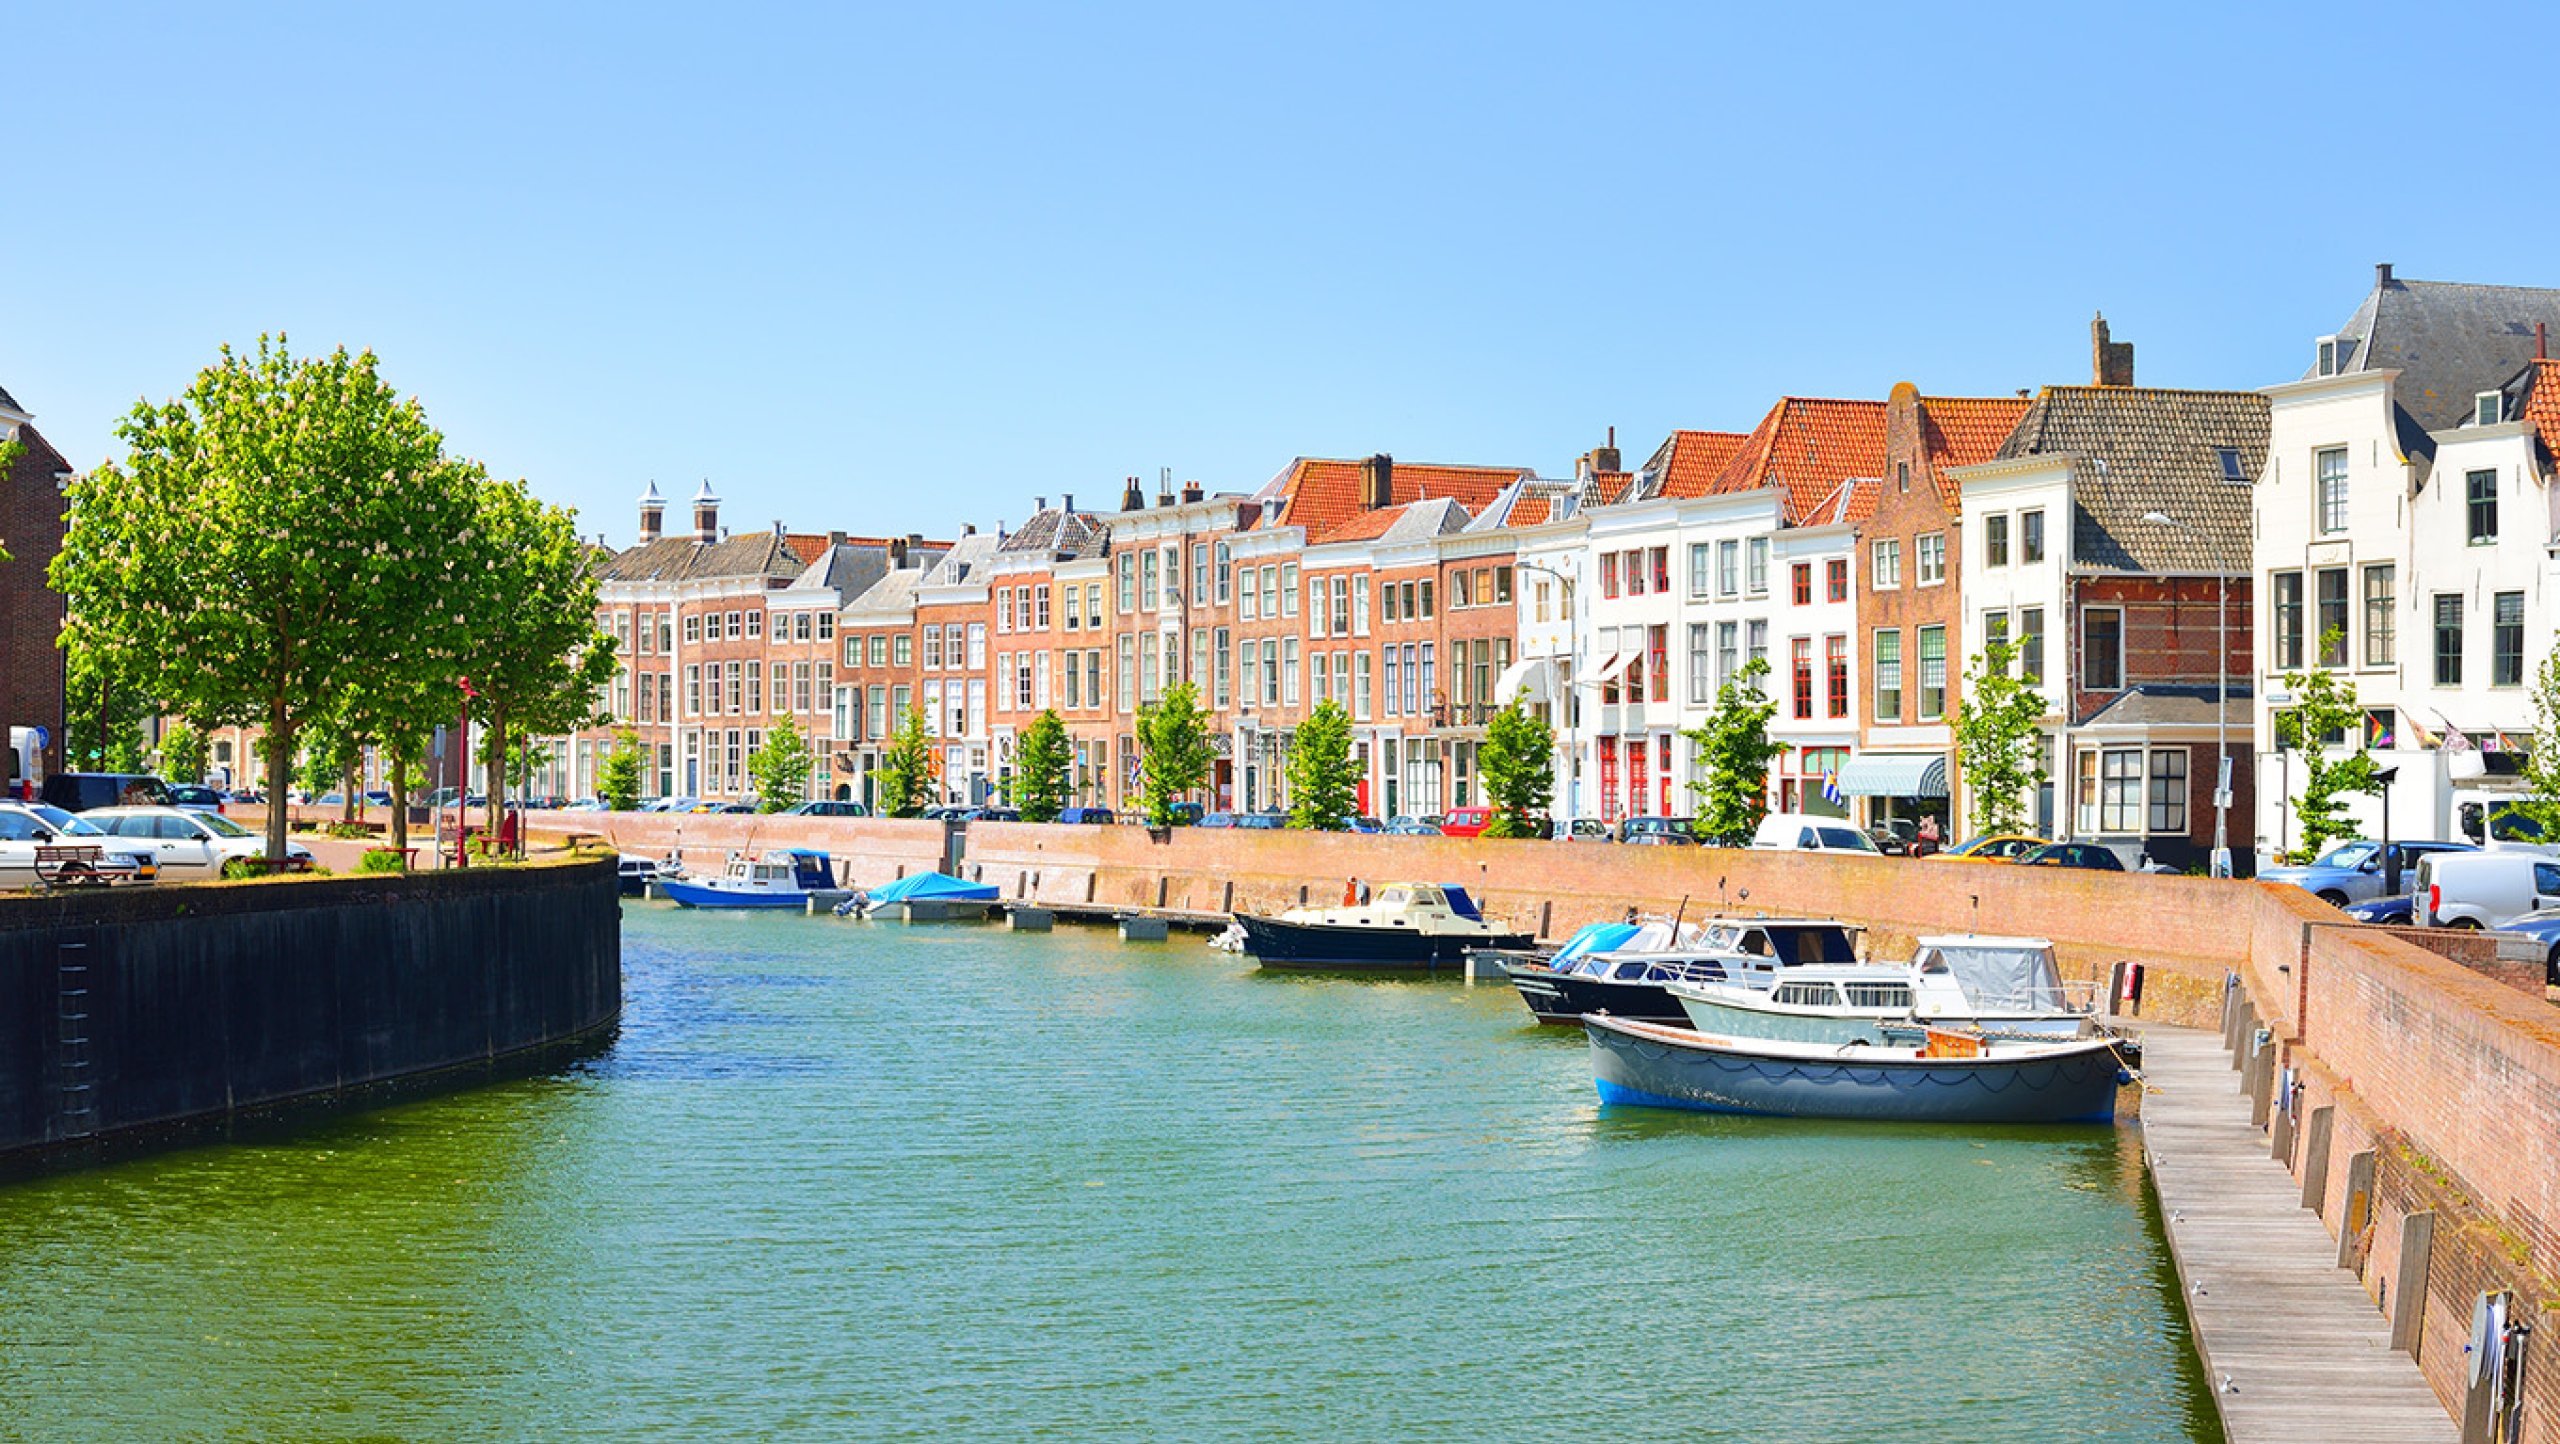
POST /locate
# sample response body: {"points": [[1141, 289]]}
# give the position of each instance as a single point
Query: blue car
{"points": [[2543, 927], [1363, 824], [2352, 872], [1411, 827], [2393, 911]]}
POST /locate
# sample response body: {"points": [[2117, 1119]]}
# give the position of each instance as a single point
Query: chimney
{"points": [[1133, 499], [898, 553], [1067, 502], [2382, 275], [1191, 491], [653, 515], [2111, 362], [2541, 343], [1377, 481], [835, 538], [1604, 458], [706, 515], [1039, 504], [1164, 487]]}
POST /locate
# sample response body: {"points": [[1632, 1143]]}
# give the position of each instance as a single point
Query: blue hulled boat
{"points": [[781, 879], [1952, 1078]]}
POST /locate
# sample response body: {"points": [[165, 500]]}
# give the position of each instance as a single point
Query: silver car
{"points": [[192, 845], [27, 826]]}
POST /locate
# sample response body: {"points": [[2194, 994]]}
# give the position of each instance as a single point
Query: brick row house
{"points": [[33, 514]]}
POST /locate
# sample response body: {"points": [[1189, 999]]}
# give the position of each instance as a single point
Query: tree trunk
{"points": [[399, 800], [497, 763], [279, 779]]}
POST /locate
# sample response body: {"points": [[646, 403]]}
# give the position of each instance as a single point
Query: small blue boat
{"points": [[1953, 1078], [934, 887], [780, 879]]}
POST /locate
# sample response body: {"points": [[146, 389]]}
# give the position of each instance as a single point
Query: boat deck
{"points": [[2293, 1348]]}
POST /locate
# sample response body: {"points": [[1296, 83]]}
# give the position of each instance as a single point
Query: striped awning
{"points": [[1895, 774]]}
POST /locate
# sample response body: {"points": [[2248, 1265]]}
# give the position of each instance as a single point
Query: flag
{"points": [[2426, 739], [2454, 741], [1831, 788]]}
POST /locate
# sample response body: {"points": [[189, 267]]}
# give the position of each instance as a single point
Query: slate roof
{"points": [[1808, 446], [681, 558], [10, 401], [1060, 534], [893, 595], [2172, 704], [849, 568], [2139, 449], [1530, 501], [2448, 339], [963, 561], [1320, 494], [1687, 462]]}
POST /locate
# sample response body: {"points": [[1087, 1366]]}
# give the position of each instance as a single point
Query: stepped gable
{"points": [[2136, 450]]}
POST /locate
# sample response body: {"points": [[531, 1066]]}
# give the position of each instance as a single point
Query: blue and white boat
{"points": [[934, 891], [1627, 972], [1950, 1078], [2002, 987], [779, 879]]}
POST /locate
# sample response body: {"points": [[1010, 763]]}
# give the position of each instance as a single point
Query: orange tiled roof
{"points": [[2542, 408], [1964, 430], [1696, 457], [1323, 495], [1530, 511], [1808, 446], [1365, 525]]}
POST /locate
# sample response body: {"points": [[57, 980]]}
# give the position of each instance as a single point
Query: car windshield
{"points": [[1845, 839], [68, 824], [223, 826], [2347, 854]]}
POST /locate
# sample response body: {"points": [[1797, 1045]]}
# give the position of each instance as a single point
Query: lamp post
{"points": [[1564, 696], [2221, 866]]}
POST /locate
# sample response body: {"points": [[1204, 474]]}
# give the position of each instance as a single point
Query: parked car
{"points": [[1894, 835], [2508, 827], [2395, 911], [26, 826], [2483, 889], [1410, 827], [380, 798], [669, 804], [1659, 831], [2090, 856], [193, 844], [248, 796], [1466, 822], [88, 791], [586, 804], [1216, 819], [1262, 821], [1804, 832], [824, 808], [997, 814], [1992, 847], [194, 798], [1186, 814], [1591, 829], [2353, 871], [1361, 824], [2543, 926], [1090, 816]]}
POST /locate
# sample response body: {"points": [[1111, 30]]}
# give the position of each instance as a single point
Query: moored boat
{"points": [[1406, 927], [1952, 1078], [2003, 987], [780, 879], [925, 896], [1632, 977]]}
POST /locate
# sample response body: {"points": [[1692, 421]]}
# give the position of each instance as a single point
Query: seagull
{"points": [[2230, 1385], [2198, 1289]]}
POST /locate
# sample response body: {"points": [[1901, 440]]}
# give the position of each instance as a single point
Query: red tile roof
{"points": [[2542, 407], [1964, 430], [1807, 446], [1365, 525], [1529, 511], [1323, 495], [1696, 457]]}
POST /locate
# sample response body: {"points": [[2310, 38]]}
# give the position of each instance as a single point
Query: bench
{"points": [[58, 863]]}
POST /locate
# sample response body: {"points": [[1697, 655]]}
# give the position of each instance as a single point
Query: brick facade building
{"points": [[33, 514]]}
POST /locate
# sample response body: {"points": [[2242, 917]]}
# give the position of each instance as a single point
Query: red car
{"points": [[1466, 822]]}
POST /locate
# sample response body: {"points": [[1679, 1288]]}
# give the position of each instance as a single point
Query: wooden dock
{"points": [[2293, 1348]]}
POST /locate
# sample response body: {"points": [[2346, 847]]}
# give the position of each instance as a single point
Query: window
{"points": [[693, 689], [1801, 659], [1289, 672], [1836, 660], [2119, 799], [2030, 537], [800, 679], [1128, 581], [1755, 566], [2331, 467], [876, 704], [1931, 558], [1502, 585], [933, 648], [1889, 675], [1128, 672], [826, 626], [1199, 574], [906, 649], [1902, 476], [1701, 681], [755, 624], [1288, 589], [1995, 541], [1004, 609], [737, 676], [1728, 568], [2288, 620], [1226, 572], [2333, 616], [2482, 490], [755, 684], [2381, 625], [1661, 569], [2230, 458], [1698, 552], [1800, 578], [1886, 571], [692, 629], [1360, 606], [1836, 579], [1726, 661], [1218, 652], [1608, 574], [1150, 578], [2169, 790], [1360, 678], [2448, 639], [1270, 591], [1338, 599], [1093, 606], [1755, 641], [1933, 673], [2102, 649], [1040, 607], [2031, 644], [2506, 655]]}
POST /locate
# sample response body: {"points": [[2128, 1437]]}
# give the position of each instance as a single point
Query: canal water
{"points": [[864, 1181]]}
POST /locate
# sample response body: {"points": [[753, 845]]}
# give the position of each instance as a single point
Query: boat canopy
{"points": [[935, 885], [810, 868], [1459, 903], [1997, 972], [1594, 938]]}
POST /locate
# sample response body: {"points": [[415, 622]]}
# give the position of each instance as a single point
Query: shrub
{"points": [[382, 859]]}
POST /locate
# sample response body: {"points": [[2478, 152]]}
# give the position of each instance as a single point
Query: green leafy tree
{"points": [[1324, 778], [105, 717], [2542, 765], [537, 660], [236, 565], [1517, 763], [780, 768], [1041, 762], [2324, 707], [182, 752], [1734, 753], [618, 778], [905, 777], [10, 451], [1996, 736], [1173, 751]]}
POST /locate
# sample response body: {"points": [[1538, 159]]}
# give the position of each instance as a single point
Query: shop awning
{"points": [[1609, 669], [1895, 774], [1534, 679]]}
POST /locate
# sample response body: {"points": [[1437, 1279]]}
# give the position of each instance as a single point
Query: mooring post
{"points": [[2359, 1209], [2315, 1159], [2409, 1282]]}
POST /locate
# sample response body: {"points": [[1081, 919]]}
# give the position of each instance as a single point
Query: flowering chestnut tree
{"points": [[537, 662]]}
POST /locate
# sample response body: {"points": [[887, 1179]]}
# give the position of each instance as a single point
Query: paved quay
{"points": [[2293, 1348]]}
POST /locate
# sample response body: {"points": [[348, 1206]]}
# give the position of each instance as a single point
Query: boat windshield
{"points": [[1396, 897]]}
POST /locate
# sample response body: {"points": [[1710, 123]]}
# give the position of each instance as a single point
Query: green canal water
{"points": [[861, 1181]]}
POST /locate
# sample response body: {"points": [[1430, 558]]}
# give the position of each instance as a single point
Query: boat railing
{"points": [[2078, 996]]}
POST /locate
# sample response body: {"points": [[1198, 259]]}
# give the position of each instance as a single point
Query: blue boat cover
{"points": [[1594, 938], [1459, 903], [935, 885]]}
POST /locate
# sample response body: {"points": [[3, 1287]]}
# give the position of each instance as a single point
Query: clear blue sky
{"points": [[892, 269]]}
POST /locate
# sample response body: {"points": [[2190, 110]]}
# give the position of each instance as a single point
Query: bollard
{"points": [[2359, 1209], [2409, 1288], [2315, 1158]]}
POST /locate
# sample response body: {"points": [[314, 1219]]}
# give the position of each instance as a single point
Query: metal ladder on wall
{"points": [[77, 1107]]}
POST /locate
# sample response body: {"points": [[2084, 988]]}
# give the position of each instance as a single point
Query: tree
{"points": [[1517, 763], [618, 777], [104, 717], [1173, 751], [780, 768], [1324, 778], [1996, 740], [2542, 765], [182, 752], [1734, 753], [2324, 708], [1041, 761], [906, 768], [239, 565], [537, 660]]}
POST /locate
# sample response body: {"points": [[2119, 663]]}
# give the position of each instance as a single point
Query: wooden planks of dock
{"points": [[2293, 1348]]}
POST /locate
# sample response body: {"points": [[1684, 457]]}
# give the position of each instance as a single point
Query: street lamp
{"points": [[2221, 866], [1573, 656]]}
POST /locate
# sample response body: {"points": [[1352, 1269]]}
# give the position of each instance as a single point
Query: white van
{"points": [[1804, 832], [2483, 889]]}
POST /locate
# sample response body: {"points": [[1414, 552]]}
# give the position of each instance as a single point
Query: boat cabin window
{"points": [[1894, 996], [1396, 897], [1805, 994], [1756, 944], [1630, 972]]}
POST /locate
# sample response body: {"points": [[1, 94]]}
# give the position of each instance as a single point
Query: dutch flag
{"points": [[1831, 788]]}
